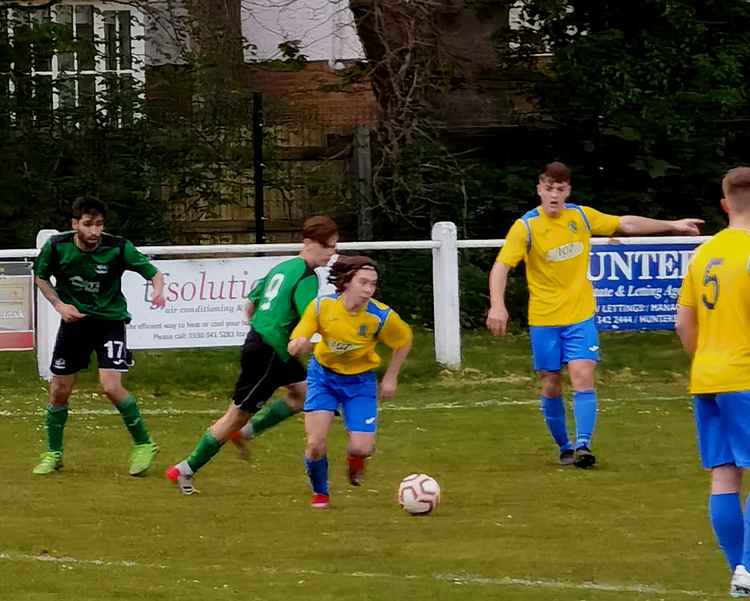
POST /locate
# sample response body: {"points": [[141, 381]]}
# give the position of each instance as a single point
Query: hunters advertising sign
{"points": [[637, 285]]}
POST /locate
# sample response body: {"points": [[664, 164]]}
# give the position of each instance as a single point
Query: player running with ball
{"points": [[341, 373]]}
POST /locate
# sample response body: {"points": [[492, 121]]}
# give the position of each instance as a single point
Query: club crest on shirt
{"points": [[564, 252], [573, 226], [362, 331], [101, 269]]}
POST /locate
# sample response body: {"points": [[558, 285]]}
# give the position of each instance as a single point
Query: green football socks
{"points": [[131, 415], [57, 415], [203, 452], [270, 415]]}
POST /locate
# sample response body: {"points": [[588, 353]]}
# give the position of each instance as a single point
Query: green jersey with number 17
{"points": [[280, 298]]}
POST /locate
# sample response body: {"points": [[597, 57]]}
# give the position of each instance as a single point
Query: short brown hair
{"points": [[319, 228], [343, 270], [736, 184], [556, 172], [88, 205]]}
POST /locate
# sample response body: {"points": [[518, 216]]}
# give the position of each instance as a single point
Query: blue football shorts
{"points": [[355, 396], [722, 421], [554, 346]]}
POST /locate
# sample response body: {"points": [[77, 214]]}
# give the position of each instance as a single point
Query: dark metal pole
{"points": [[260, 235]]}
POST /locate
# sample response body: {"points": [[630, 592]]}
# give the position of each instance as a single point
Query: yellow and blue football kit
{"points": [[561, 306], [348, 339], [341, 372], [717, 288], [561, 297], [556, 253]]}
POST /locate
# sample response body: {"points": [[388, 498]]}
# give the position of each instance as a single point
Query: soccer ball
{"points": [[419, 494]]}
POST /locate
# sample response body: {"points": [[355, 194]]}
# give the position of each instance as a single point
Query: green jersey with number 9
{"points": [[280, 299]]}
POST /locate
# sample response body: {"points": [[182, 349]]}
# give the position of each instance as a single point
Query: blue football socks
{"points": [[584, 407], [727, 521], [317, 471], [554, 416]]}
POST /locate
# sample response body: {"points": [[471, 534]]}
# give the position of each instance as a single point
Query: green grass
{"points": [[513, 525]]}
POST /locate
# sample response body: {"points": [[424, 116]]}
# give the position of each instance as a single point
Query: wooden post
{"points": [[260, 233], [362, 181]]}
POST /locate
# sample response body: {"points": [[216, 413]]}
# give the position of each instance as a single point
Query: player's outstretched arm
{"points": [[497, 318], [634, 225], [67, 312], [389, 383], [687, 328], [157, 297]]}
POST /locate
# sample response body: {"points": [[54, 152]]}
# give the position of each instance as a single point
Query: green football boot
{"points": [[49, 462], [142, 457]]}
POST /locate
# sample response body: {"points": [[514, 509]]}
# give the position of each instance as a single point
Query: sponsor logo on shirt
{"points": [[564, 252], [339, 347], [78, 282]]}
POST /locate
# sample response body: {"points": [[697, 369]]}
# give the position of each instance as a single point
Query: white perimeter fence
{"points": [[444, 244]]}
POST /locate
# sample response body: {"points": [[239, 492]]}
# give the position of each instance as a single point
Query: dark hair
{"points": [[319, 228], [88, 205], [343, 270], [736, 183], [556, 172]]}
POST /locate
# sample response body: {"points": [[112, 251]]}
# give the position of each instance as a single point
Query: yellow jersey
{"points": [[556, 252], [348, 339], [717, 287]]}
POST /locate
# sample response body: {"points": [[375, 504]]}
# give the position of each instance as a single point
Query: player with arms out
{"points": [[341, 373], [87, 265], [713, 323], [274, 307], [554, 242]]}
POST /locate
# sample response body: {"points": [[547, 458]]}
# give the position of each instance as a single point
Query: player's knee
{"points": [[60, 393], [726, 479], [294, 402], [114, 390], [361, 448], [316, 448], [551, 385], [582, 376]]}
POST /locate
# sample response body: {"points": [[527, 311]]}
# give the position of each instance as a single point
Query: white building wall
{"points": [[325, 29]]}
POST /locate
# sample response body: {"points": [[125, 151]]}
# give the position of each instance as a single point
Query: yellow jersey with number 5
{"points": [[717, 287]]}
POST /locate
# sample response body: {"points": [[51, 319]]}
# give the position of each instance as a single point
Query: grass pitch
{"points": [[512, 525]]}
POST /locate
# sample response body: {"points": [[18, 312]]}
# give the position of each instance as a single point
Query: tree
{"points": [[80, 131], [652, 101]]}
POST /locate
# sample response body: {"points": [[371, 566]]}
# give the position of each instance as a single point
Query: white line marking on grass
{"points": [[457, 579], [44, 557], [170, 411]]}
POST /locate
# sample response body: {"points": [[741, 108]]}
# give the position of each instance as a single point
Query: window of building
{"points": [[98, 53]]}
